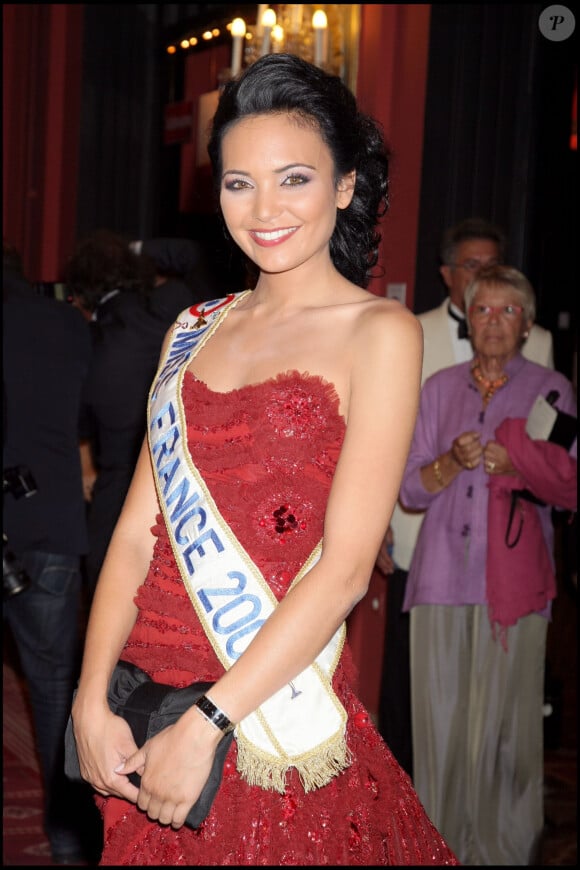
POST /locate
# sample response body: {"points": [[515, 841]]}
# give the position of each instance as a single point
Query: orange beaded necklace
{"points": [[490, 386]]}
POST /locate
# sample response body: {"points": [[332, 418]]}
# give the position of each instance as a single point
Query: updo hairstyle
{"points": [[284, 83]]}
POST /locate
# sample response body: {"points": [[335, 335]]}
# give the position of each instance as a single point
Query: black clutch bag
{"points": [[149, 707]]}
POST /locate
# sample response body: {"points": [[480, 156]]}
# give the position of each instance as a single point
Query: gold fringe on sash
{"points": [[315, 769]]}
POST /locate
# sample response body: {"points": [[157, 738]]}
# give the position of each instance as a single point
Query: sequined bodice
{"points": [[267, 453]]}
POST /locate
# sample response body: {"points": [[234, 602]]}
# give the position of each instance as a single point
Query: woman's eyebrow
{"points": [[295, 166], [235, 172], [278, 171]]}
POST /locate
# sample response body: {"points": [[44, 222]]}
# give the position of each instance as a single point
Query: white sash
{"points": [[302, 725]]}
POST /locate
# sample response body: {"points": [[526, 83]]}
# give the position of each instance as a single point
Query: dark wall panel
{"points": [[120, 124]]}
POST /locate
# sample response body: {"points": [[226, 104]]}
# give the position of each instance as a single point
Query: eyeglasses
{"points": [[484, 312], [474, 265]]}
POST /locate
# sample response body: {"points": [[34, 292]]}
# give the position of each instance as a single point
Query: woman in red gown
{"points": [[294, 413]]}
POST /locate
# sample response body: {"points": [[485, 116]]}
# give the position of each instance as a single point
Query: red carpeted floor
{"points": [[24, 842]]}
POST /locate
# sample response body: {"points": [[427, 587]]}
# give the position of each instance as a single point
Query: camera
{"points": [[15, 577], [19, 482]]}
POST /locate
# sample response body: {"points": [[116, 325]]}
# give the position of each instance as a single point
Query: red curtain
{"points": [[42, 53]]}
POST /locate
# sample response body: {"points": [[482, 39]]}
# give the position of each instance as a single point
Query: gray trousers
{"points": [[478, 731]]}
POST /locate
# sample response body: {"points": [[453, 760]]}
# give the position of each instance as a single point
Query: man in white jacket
{"points": [[466, 247]]}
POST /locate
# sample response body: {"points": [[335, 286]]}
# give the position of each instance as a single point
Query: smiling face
{"points": [[497, 321], [278, 192]]}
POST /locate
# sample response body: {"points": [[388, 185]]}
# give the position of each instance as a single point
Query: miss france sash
{"points": [[302, 725]]}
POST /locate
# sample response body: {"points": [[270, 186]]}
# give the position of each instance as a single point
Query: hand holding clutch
{"points": [[149, 707]]}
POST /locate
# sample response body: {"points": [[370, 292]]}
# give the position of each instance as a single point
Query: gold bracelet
{"points": [[437, 473]]}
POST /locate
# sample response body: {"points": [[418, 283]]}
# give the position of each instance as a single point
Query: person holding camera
{"points": [[46, 354]]}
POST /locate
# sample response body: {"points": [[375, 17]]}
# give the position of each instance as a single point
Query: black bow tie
{"points": [[461, 323]]}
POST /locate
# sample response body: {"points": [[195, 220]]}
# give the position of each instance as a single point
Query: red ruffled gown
{"points": [[267, 453]]}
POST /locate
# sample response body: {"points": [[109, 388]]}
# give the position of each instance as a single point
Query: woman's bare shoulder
{"points": [[381, 335], [379, 319]]}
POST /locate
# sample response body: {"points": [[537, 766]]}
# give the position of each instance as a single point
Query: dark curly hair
{"points": [[286, 83], [102, 262]]}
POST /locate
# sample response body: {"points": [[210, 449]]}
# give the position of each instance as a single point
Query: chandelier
{"points": [[324, 34], [316, 33]]}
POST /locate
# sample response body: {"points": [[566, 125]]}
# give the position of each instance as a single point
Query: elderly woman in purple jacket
{"points": [[479, 603]]}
